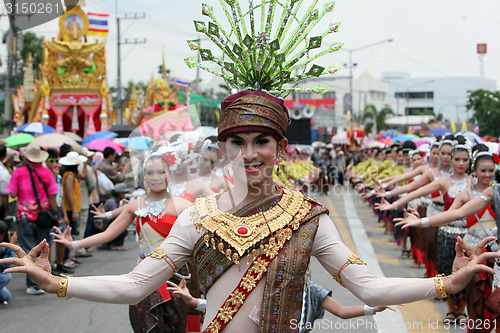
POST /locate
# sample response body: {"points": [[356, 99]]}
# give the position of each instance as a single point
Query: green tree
{"points": [[374, 119], [127, 90], [424, 112], [485, 106], [31, 43]]}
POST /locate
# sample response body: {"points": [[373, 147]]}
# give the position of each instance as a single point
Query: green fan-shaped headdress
{"points": [[267, 55]]}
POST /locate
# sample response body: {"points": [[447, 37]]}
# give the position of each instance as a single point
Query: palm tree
{"points": [[377, 118]]}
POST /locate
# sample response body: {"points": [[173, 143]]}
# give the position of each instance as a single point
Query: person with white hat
{"points": [[88, 182], [71, 199], [20, 186]]}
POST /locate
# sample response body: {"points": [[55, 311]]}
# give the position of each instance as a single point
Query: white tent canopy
{"points": [[409, 120], [340, 138]]}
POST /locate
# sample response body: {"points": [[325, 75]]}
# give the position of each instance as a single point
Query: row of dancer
{"points": [[449, 186]]}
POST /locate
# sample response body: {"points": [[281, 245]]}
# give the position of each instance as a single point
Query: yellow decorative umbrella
{"points": [[453, 128], [464, 126]]}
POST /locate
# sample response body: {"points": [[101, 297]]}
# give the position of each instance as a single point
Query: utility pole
{"points": [[9, 82], [119, 42], [352, 65]]}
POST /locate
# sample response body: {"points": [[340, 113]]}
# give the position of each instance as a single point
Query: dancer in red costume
{"points": [[155, 214]]}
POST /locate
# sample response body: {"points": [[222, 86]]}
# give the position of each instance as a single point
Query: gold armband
{"points": [[353, 259], [62, 286], [160, 254], [440, 288]]}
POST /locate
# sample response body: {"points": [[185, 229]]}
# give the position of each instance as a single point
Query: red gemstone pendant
{"points": [[242, 231]]}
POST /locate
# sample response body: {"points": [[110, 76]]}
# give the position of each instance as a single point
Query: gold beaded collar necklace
{"points": [[242, 233]]}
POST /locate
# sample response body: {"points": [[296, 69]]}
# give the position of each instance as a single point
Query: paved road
{"points": [[357, 226]]}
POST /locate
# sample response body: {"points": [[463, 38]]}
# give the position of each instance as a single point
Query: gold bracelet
{"points": [[440, 288], [62, 286]]}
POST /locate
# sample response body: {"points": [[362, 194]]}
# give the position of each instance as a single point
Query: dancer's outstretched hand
{"points": [[409, 220], [376, 184], [37, 268], [367, 194], [98, 212], [182, 291], [467, 262], [411, 210], [382, 308], [384, 205], [64, 238]]}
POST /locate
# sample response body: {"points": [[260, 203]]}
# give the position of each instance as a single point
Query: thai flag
{"points": [[98, 24], [182, 83], [444, 124], [476, 127]]}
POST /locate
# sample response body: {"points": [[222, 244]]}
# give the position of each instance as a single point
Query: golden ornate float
{"points": [[71, 92]]}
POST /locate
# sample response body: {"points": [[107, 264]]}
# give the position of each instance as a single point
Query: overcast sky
{"points": [[432, 38]]}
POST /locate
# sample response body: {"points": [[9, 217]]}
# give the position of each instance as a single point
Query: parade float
{"points": [[71, 92], [158, 109]]}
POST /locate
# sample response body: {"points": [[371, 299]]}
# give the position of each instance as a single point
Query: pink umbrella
{"points": [[386, 141], [101, 144], [420, 142]]}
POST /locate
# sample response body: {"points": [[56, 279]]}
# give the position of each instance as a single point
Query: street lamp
{"points": [[351, 65]]}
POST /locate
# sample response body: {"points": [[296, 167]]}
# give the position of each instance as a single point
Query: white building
{"points": [[365, 90], [446, 95]]}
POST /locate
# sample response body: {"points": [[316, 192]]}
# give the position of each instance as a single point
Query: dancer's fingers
{"points": [[480, 246], [15, 248], [34, 251]]}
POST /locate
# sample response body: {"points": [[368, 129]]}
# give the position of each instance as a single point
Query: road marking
{"points": [[344, 233], [382, 241], [387, 321], [388, 260], [370, 227]]}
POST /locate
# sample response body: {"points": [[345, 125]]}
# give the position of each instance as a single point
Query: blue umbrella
{"points": [[99, 135], [391, 133], [138, 142], [439, 131], [35, 128], [403, 138]]}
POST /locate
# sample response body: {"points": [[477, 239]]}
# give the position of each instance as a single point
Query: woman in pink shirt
{"points": [[20, 186]]}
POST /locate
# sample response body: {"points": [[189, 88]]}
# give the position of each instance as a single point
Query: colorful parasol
{"points": [[35, 128], [101, 144], [55, 140], [99, 135], [17, 140]]}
